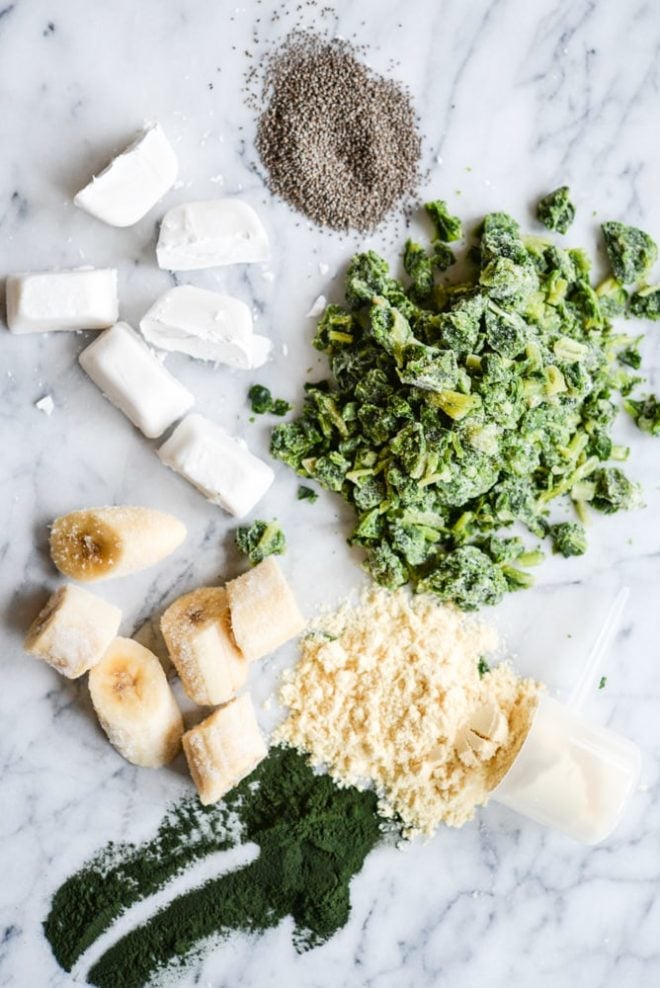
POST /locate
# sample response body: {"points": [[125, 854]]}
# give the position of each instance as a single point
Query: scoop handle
{"points": [[598, 650]]}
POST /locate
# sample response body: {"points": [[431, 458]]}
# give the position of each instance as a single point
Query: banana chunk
{"points": [[264, 612], [135, 705], [197, 632], [73, 630], [224, 748], [98, 543]]}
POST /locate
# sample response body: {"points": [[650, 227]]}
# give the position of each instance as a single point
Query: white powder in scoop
{"points": [[389, 693]]}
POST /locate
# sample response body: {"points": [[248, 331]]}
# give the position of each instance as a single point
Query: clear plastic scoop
{"points": [[570, 774]]}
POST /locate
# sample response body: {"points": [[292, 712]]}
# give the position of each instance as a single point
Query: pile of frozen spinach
{"points": [[454, 410]]}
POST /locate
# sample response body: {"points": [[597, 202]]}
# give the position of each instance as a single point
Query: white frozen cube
{"points": [[217, 464], [132, 377], [44, 301], [133, 182], [206, 325], [206, 234]]}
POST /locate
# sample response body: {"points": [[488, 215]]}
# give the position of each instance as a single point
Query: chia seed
{"points": [[339, 143]]}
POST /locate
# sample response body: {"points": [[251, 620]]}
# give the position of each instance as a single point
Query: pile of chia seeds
{"points": [[339, 143]]}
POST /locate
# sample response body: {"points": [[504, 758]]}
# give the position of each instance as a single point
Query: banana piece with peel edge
{"points": [[197, 632], [224, 748], [264, 612], [72, 632], [135, 705], [98, 543]]}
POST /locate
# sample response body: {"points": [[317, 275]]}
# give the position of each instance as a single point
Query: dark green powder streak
{"points": [[122, 874], [312, 837]]}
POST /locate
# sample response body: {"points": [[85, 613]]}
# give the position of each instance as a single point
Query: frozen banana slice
{"points": [[264, 612], [197, 631], [224, 748], [135, 705], [485, 731], [73, 630], [97, 543]]}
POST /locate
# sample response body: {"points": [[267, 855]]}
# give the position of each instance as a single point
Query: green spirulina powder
{"points": [[312, 838]]}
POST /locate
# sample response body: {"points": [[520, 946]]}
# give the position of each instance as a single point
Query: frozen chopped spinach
{"points": [[260, 539], [646, 413], [631, 251], [613, 491], [645, 303], [447, 227], [569, 538], [262, 402], [452, 411], [307, 494], [418, 264], [556, 211], [612, 296]]}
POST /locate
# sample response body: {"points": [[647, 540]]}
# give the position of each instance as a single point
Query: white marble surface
{"points": [[514, 98]]}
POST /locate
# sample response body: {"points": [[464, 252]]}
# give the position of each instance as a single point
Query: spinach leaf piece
{"points": [[569, 538], [262, 401], [447, 227], [646, 414], [556, 211], [645, 303], [631, 251], [260, 539], [306, 494]]}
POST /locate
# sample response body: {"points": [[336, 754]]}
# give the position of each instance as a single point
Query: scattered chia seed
{"points": [[339, 143]]}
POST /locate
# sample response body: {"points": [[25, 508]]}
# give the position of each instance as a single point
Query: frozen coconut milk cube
{"points": [[132, 377], [217, 464], [45, 301], [205, 325], [206, 234], [133, 182]]}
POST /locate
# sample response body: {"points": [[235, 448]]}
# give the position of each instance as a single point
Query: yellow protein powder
{"points": [[389, 693]]}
